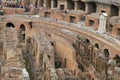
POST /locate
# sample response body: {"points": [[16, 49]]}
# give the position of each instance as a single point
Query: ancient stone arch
{"points": [[22, 27], [10, 24], [97, 45], [106, 53]]}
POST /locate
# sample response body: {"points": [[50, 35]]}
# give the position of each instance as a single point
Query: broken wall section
{"points": [[10, 42]]}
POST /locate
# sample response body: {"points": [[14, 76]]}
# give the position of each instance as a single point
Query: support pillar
{"points": [[52, 3], [44, 4], [76, 5], [86, 8]]}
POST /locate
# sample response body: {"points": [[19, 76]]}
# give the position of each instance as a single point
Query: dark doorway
{"points": [[92, 7], [55, 3], [87, 41], [81, 5], [114, 10], [71, 5], [61, 7], [106, 53], [10, 25], [58, 64], [97, 46], [22, 27], [80, 67], [117, 59], [22, 33], [23, 37], [91, 23], [72, 19], [47, 14]]}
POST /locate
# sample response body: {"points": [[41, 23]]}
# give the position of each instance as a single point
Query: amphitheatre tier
{"points": [[95, 37], [53, 40], [60, 40]]}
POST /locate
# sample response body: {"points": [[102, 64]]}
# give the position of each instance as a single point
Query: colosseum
{"points": [[59, 39]]}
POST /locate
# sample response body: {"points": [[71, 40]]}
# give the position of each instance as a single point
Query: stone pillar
{"points": [[66, 5], [102, 23], [52, 3], [44, 4], [86, 8], [38, 3], [76, 5], [47, 3]]}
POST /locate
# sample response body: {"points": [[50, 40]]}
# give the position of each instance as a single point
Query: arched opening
{"points": [[72, 19], [87, 41], [22, 27], [52, 43], [92, 7], [10, 25], [91, 23], [55, 3], [106, 53], [80, 66], [30, 23], [58, 64], [81, 5], [117, 59], [58, 61], [71, 5], [114, 10], [22, 33], [97, 46]]}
